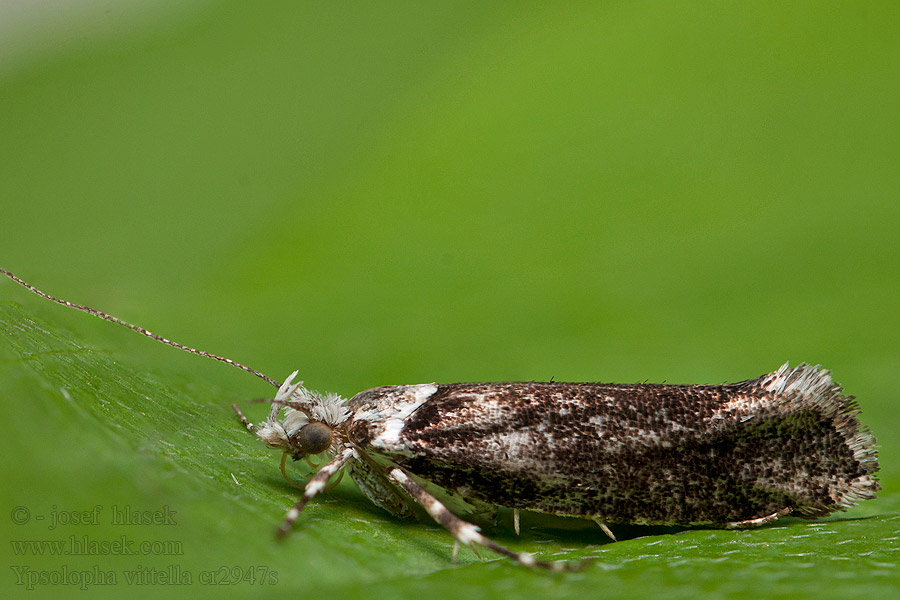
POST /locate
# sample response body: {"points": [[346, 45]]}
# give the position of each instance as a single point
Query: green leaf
{"points": [[401, 193], [89, 428]]}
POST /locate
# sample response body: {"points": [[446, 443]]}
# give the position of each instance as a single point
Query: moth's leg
{"points": [[315, 485], [462, 531], [250, 426], [760, 521], [516, 520], [293, 483], [467, 509], [605, 529], [286, 478], [455, 554], [335, 483]]}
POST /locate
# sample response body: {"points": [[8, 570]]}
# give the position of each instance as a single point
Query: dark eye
{"points": [[314, 437]]}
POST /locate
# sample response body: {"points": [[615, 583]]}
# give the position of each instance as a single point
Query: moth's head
{"points": [[302, 422]]}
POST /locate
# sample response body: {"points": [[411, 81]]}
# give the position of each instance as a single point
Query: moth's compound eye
{"points": [[314, 437]]}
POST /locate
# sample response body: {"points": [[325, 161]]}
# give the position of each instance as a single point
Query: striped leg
{"points": [[760, 521], [464, 532], [315, 485], [299, 486]]}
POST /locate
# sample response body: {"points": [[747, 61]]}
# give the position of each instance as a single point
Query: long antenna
{"points": [[141, 330]]}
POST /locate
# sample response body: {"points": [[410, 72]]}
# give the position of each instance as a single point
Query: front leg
{"points": [[318, 483]]}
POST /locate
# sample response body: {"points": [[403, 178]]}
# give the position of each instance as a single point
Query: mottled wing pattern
{"points": [[641, 453]]}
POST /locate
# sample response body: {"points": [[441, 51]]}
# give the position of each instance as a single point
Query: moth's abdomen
{"points": [[636, 453]]}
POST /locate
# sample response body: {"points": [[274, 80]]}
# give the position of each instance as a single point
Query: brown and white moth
{"points": [[735, 455]]}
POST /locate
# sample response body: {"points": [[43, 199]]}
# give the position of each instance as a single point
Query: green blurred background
{"points": [[414, 192]]}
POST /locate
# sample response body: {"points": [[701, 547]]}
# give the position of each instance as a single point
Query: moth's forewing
{"points": [[624, 453]]}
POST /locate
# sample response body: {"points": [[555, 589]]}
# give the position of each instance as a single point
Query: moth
{"points": [[734, 456]]}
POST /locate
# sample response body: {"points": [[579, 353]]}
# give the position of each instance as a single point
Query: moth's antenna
{"points": [[141, 330]]}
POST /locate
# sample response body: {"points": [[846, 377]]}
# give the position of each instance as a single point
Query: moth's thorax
{"points": [[382, 411]]}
